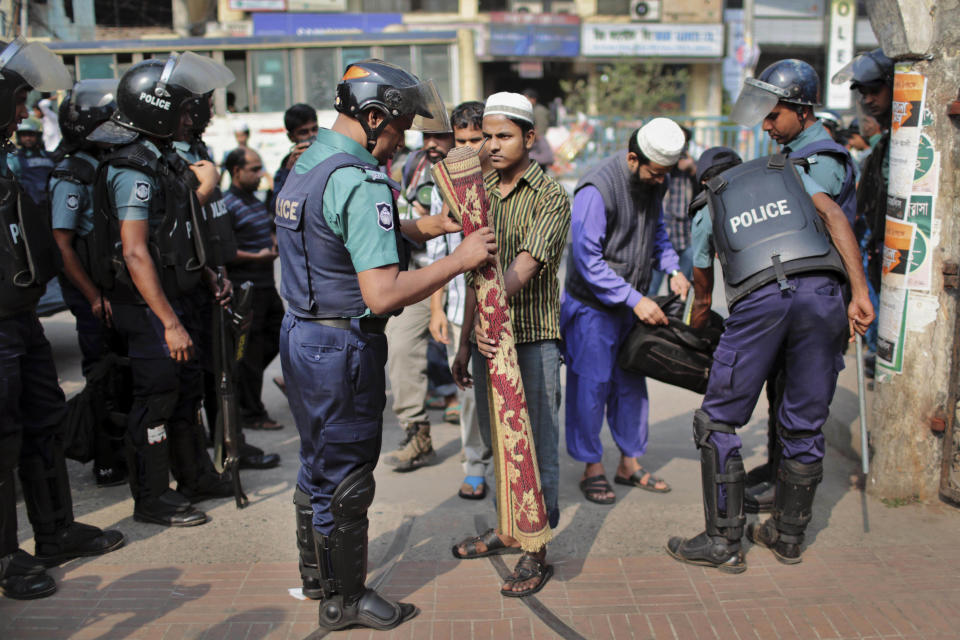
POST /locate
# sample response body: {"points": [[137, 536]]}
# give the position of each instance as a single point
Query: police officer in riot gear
{"points": [[89, 104], [31, 402], [221, 249], [148, 226], [785, 256], [31, 164], [342, 262], [783, 98]]}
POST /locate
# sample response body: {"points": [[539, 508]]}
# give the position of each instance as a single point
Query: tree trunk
{"points": [[916, 393]]}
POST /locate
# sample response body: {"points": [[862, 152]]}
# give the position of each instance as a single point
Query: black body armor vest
{"points": [[176, 230], [766, 227], [221, 241], [29, 257]]}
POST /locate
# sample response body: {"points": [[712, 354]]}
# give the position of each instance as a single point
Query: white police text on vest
{"points": [[15, 233], [287, 208], [218, 208], [156, 102], [759, 214]]}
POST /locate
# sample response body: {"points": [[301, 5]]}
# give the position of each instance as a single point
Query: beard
{"points": [[641, 190]]}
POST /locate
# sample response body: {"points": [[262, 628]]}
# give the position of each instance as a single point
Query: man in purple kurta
{"points": [[618, 238]]}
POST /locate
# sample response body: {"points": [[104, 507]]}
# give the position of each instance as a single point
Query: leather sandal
{"points": [[490, 539], [528, 567], [594, 487], [636, 479]]}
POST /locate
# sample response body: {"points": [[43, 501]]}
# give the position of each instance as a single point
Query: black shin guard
{"points": [[719, 545], [784, 532], [306, 545], [149, 464], [343, 562], [8, 512], [46, 490], [729, 521]]}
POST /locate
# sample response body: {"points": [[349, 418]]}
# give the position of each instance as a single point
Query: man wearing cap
{"points": [[618, 237], [530, 213]]}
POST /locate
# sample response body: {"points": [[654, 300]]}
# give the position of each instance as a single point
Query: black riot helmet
{"points": [[88, 105], [152, 93], [393, 91], [27, 65], [792, 81], [868, 70]]}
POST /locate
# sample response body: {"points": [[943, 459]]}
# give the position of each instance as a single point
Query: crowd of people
{"points": [[148, 249]]}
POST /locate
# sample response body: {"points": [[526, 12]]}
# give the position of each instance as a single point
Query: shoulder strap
{"points": [[699, 201], [830, 147], [135, 155], [75, 170]]}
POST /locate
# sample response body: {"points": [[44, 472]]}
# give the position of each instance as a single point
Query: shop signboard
{"points": [[258, 5], [652, 40], [540, 35], [306, 24]]}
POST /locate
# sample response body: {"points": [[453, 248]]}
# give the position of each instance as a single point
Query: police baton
{"points": [[862, 396]]}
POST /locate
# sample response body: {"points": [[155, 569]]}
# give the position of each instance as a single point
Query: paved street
{"points": [[871, 570]]}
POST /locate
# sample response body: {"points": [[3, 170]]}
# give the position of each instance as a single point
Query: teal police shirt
{"points": [[350, 202], [71, 204], [130, 191], [826, 170], [701, 230], [183, 150]]}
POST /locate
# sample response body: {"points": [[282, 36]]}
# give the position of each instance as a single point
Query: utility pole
{"points": [[914, 434]]}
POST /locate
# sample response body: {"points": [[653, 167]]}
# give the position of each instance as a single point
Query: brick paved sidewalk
{"points": [[836, 593]]}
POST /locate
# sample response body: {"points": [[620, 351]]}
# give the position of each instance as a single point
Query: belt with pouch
{"points": [[367, 325]]}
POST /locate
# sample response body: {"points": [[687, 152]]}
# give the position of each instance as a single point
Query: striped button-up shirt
{"points": [[534, 217]]}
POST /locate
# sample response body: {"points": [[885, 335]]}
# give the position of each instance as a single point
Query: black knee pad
{"points": [[354, 495], [343, 553]]}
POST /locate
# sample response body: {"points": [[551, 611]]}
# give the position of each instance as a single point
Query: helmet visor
{"points": [[863, 69], [112, 133], [430, 113], [195, 73], [756, 100], [89, 94], [41, 68]]}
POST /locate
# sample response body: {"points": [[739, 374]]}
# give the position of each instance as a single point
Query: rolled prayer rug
{"points": [[521, 512]]}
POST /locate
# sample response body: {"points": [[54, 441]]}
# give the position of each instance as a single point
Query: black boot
{"points": [[252, 457], [21, 576], [783, 532], [154, 501], [343, 563], [718, 546], [306, 545], [191, 466], [46, 495]]}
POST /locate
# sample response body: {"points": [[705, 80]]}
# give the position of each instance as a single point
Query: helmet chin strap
{"points": [[374, 133]]}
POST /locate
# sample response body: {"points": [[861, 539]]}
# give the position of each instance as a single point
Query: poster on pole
{"points": [[908, 238]]}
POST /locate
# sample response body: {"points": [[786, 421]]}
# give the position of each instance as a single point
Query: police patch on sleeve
{"points": [[73, 202], [385, 215], [142, 191]]}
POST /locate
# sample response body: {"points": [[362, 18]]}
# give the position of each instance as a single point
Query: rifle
{"points": [[231, 327]]}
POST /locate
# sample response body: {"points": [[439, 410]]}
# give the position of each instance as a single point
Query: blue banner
{"points": [[534, 40], [306, 24]]}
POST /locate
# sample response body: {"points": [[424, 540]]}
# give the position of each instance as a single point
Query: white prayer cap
{"points": [[241, 127], [512, 105], [662, 141]]}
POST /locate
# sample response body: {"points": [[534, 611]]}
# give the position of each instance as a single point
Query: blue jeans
{"points": [[540, 373], [686, 268]]}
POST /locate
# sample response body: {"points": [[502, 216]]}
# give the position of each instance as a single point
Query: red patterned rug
{"points": [[520, 507]]}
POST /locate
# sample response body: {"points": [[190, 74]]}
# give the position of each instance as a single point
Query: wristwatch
{"points": [[674, 272]]}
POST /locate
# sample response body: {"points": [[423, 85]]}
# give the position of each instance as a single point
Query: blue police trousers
{"points": [[336, 388], [809, 322]]}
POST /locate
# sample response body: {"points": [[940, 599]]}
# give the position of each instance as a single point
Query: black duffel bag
{"points": [[675, 353]]}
